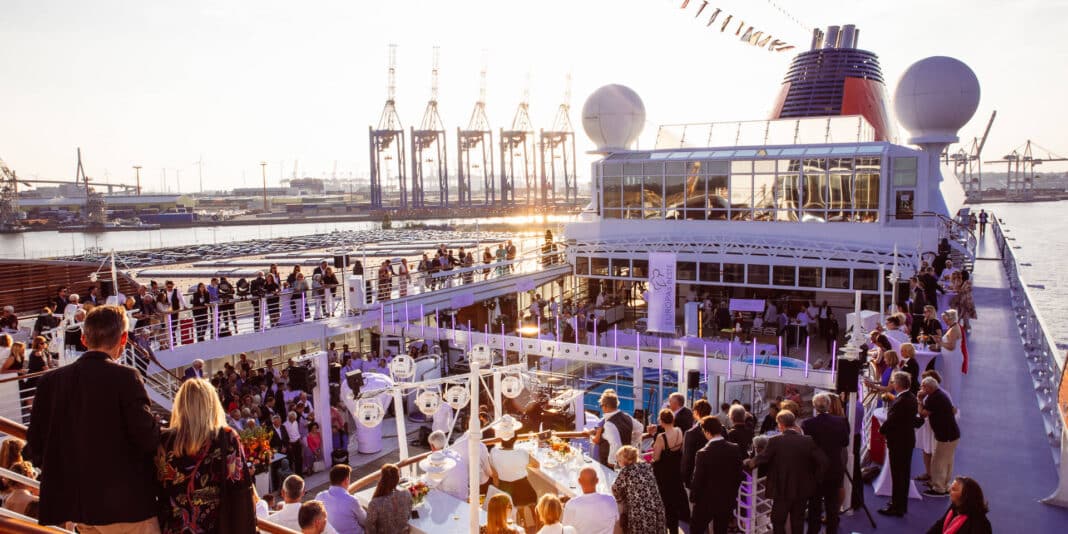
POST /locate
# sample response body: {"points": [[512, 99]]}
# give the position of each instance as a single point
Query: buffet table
{"points": [[439, 513]]}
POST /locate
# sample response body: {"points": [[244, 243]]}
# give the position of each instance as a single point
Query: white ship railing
{"points": [[1045, 361], [799, 131]]}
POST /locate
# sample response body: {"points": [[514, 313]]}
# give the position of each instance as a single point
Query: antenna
{"points": [[434, 76], [391, 83], [482, 78]]}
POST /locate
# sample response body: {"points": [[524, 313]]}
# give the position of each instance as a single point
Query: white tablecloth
{"points": [[923, 357], [441, 513], [563, 478], [884, 484]]}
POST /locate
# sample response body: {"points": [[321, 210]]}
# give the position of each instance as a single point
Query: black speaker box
{"points": [[693, 379], [334, 373], [848, 375], [298, 377], [339, 262]]}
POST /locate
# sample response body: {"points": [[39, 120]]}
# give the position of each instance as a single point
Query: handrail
{"points": [[17, 430], [25, 376], [16, 525]]}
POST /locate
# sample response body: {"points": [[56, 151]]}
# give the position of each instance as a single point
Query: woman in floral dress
{"points": [[635, 489], [200, 460]]}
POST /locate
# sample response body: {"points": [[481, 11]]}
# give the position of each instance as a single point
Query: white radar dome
{"points": [[935, 98], [613, 117]]}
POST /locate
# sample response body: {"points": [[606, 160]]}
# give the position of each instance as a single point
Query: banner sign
{"points": [[661, 292]]}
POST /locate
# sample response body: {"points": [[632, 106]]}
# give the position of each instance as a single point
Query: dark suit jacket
{"points": [[192, 373], [943, 420], [716, 476], [94, 438], [913, 369], [795, 466], [279, 443], [902, 420], [692, 442], [684, 420], [742, 436], [831, 434]]}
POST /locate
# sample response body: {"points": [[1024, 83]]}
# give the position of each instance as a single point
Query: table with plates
{"points": [[562, 478], [439, 513]]}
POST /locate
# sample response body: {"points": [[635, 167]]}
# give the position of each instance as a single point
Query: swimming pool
{"points": [[601, 377]]}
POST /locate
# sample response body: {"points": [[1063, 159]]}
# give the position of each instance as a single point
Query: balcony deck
{"points": [[1003, 443]]}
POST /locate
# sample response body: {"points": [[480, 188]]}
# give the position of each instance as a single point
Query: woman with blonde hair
{"points": [[635, 490], [499, 515], [550, 511], [201, 465]]}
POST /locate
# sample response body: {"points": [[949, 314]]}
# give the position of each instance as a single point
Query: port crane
{"points": [[1020, 169], [968, 166]]}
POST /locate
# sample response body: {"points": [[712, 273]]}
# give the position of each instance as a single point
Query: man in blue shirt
{"points": [[343, 511]]}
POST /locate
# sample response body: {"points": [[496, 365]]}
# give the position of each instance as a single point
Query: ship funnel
{"points": [[832, 37], [847, 38], [817, 39]]}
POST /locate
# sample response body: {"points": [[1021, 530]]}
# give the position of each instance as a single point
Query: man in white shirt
{"points": [[442, 420], [454, 481], [616, 426], [292, 492], [485, 470], [343, 511], [591, 512]]}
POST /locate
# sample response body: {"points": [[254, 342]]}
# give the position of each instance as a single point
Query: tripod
{"points": [[857, 500]]}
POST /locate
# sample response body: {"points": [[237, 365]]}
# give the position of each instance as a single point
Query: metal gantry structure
{"points": [[9, 198], [557, 147], [518, 146], [429, 149], [387, 144], [1020, 170], [968, 166], [531, 162], [474, 151]]}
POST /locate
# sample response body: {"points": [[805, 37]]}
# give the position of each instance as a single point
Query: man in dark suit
{"points": [[195, 371], [693, 440], [91, 423], [795, 466], [902, 420], [741, 433], [683, 416], [909, 365], [279, 435], [716, 477], [831, 434]]}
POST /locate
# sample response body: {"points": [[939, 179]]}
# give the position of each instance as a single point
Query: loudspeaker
{"points": [[334, 373], [106, 289], [298, 377], [693, 379], [339, 262], [848, 375]]}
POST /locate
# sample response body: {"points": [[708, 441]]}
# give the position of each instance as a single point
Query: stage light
{"points": [[402, 366], [511, 386], [370, 413], [482, 355], [457, 396], [428, 401]]}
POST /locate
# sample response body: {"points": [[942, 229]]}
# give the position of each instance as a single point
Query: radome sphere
{"points": [[935, 98], [613, 117]]}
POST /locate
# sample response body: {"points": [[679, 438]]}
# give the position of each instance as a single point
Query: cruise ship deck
{"points": [[1003, 444]]}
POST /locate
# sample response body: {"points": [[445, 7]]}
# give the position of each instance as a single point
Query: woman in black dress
{"points": [[667, 467]]}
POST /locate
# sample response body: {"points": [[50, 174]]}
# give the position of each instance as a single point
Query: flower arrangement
{"points": [[418, 491], [560, 449], [257, 444]]}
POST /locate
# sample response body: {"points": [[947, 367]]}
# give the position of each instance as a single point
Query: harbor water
{"points": [[1039, 231]]}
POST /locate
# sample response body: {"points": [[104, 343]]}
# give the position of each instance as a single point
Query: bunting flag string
{"points": [[748, 34]]}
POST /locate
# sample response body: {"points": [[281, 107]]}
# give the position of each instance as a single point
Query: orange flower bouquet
{"points": [[418, 491], [560, 449], [257, 444]]}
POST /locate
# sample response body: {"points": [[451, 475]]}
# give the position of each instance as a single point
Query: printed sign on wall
{"points": [[662, 292]]}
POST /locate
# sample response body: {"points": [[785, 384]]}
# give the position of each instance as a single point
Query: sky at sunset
{"points": [[164, 84]]}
